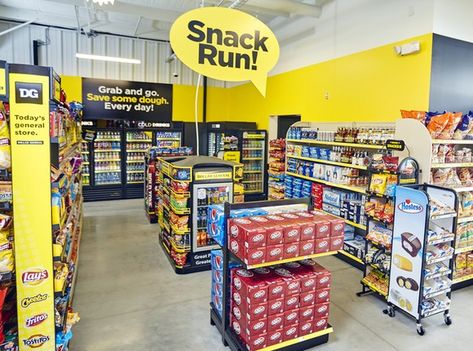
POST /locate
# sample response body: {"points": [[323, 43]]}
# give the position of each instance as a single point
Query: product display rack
{"points": [[254, 159], [186, 187], [277, 163], [229, 338], [309, 144], [422, 253], [421, 143], [47, 221], [378, 236]]}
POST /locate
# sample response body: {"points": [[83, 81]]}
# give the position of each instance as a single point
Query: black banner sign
{"points": [[118, 99], [397, 145]]}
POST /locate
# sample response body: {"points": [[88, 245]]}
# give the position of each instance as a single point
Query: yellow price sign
{"points": [[233, 156], [225, 44]]}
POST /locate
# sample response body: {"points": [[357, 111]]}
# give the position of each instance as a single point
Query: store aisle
{"points": [[130, 299]]}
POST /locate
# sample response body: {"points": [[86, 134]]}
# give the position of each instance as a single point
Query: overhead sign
{"points": [[397, 145], [119, 99], [225, 44]]}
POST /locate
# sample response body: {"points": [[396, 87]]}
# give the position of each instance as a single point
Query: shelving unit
{"points": [[222, 323], [253, 157], [277, 164], [421, 145], [417, 287]]}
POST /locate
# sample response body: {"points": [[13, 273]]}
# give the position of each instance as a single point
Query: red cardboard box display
{"points": [[322, 245], [249, 256], [252, 289], [291, 228], [274, 229], [307, 248], [256, 342], [306, 328], [275, 322], [292, 282], [307, 299], [275, 253], [307, 226], [291, 302], [323, 276], [247, 232], [320, 324], [321, 310], [322, 296], [291, 250], [322, 227], [276, 286], [306, 313], [291, 332], [274, 337], [275, 307], [306, 276], [291, 317], [336, 243], [250, 312]]}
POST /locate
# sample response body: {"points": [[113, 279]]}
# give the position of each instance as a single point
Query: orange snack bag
{"points": [[437, 124], [449, 130]]}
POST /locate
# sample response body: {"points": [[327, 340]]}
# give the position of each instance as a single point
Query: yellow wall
{"points": [[372, 85]]}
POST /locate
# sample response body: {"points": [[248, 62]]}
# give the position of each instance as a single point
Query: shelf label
{"points": [[233, 156], [397, 145], [29, 122], [213, 175]]}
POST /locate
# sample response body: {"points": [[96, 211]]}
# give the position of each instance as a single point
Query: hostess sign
{"points": [[118, 99], [225, 44]]}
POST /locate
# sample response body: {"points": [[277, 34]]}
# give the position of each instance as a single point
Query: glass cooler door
{"points": [[137, 145], [107, 159], [253, 158], [204, 195]]}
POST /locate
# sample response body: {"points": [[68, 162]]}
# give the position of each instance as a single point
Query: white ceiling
{"points": [[150, 19]]}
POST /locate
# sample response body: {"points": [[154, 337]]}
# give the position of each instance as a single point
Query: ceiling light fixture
{"points": [[103, 2], [108, 58]]}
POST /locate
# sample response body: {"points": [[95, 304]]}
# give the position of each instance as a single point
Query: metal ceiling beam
{"points": [[293, 7], [254, 9]]}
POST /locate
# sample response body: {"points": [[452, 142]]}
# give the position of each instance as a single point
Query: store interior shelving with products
{"points": [[253, 157], [446, 161], [276, 168]]}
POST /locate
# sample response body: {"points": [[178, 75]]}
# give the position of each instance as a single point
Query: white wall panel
{"points": [[17, 47]]}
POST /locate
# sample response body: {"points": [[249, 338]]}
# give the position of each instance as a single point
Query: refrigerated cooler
{"points": [[116, 159], [254, 155], [225, 136], [187, 186]]}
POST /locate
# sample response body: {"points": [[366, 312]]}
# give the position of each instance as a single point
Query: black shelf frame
{"points": [[229, 338]]}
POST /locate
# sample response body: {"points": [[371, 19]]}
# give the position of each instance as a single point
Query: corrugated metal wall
{"points": [[59, 53]]}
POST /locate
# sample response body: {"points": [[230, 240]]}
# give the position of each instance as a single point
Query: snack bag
{"points": [[464, 127], [467, 204], [465, 176], [391, 163], [440, 176], [449, 153], [453, 121], [435, 154], [5, 155], [6, 193], [388, 213], [378, 183], [419, 115], [7, 262], [437, 124], [391, 184]]}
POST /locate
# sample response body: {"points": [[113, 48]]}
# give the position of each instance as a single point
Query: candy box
{"points": [[321, 310], [306, 313], [292, 281], [322, 296], [322, 245], [251, 289], [249, 256], [307, 299], [336, 243], [306, 328], [291, 250], [291, 332], [275, 306], [320, 324], [274, 337], [291, 316], [247, 232], [274, 253], [275, 321], [307, 248], [274, 229]]}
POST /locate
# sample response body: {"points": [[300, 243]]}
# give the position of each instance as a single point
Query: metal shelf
{"points": [[317, 160], [463, 249], [451, 165], [335, 185], [460, 142], [335, 143]]}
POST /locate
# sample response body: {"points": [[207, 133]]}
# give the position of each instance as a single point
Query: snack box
{"points": [[274, 229], [275, 321], [323, 276], [249, 256], [274, 337], [251, 288], [247, 232]]}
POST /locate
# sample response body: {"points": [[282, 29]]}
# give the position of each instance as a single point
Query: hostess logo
{"points": [[28, 93], [410, 207]]}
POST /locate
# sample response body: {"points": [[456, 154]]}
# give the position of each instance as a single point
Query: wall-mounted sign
{"points": [[118, 99], [225, 44], [397, 145], [3, 78]]}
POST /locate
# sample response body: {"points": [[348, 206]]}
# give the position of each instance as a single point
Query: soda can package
{"points": [[216, 260], [274, 337], [306, 328]]}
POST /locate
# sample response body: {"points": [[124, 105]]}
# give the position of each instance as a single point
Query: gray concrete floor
{"points": [[129, 298]]}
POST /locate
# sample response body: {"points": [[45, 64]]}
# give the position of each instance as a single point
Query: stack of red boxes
{"points": [[317, 195], [270, 306], [272, 238]]}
